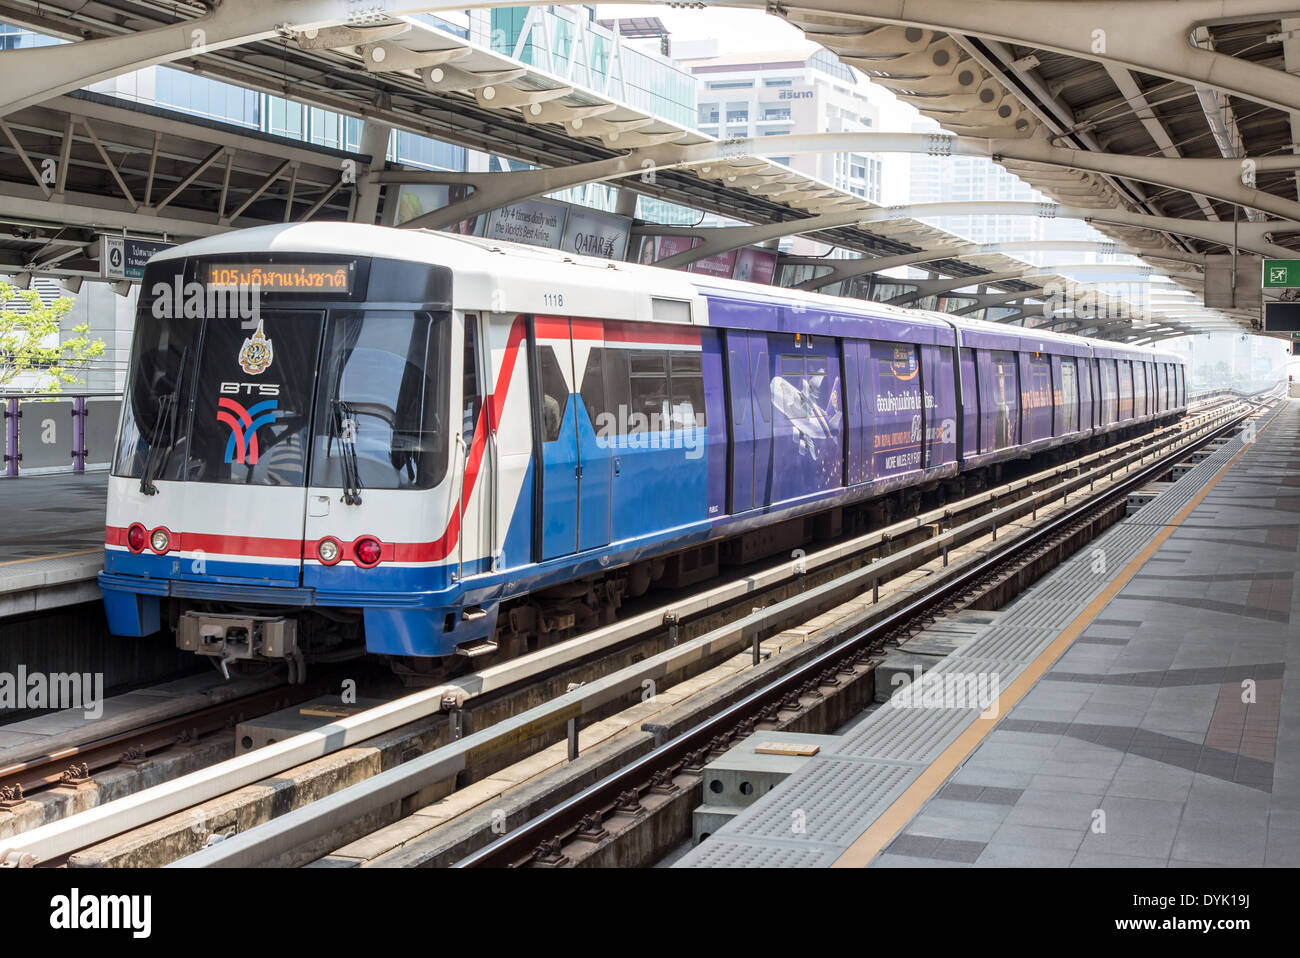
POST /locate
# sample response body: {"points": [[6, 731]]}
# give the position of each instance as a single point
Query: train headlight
{"points": [[136, 538], [328, 551], [160, 540], [367, 551]]}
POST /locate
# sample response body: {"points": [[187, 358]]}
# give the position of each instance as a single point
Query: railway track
{"points": [[1026, 495], [549, 839], [82, 761]]}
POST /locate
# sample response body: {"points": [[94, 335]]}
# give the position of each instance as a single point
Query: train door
{"points": [[556, 435], [855, 413], [940, 405], [970, 404], [661, 466], [596, 428], [1081, 390], [1094, 391], [807, 417], [760, 379], [247, 457], [740, 405]]}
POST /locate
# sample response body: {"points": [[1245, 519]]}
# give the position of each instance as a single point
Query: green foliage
{"points": [[30, 341]]}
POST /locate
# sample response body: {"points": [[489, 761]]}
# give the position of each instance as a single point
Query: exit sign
{"points": [[1281, 273]]}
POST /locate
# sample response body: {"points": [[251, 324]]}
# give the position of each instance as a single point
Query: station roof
{"points": [[1092, 104], [404, 72]]}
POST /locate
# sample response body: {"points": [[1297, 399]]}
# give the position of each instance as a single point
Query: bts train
{"points": [[444, 447]]}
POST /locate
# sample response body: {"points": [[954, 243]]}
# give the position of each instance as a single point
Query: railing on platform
{"points": [[1225, 392], [63, 430]]}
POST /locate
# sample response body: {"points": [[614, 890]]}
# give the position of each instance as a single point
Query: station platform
{"points": [[1145, 708], [51, 540]]}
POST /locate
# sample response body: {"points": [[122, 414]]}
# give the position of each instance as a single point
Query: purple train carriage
{"points": [[437, 447]]}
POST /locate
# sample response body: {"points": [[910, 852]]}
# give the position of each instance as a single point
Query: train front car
{"points": [[285, 429]]}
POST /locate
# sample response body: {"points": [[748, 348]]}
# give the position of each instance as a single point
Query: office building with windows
{"points": [[782, 92]]}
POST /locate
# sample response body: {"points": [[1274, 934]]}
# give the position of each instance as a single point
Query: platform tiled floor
{"points": [[44, 515], [1167, 734], [51, 529]]}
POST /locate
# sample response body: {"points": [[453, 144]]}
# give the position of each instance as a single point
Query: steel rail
{"points": [[99, 753]]}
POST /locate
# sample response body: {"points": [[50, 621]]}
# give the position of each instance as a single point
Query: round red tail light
{"points": [[136, 537], [367, 551]]}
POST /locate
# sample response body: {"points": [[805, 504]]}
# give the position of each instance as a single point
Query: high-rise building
{"points": [[782, 92], [956, 179]]}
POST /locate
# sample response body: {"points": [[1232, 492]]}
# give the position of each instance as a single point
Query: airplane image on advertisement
{"points": [[813, 426]]}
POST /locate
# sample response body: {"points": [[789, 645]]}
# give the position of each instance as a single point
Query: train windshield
{"points": [[381, 407], [357, 399], [155, 415]]}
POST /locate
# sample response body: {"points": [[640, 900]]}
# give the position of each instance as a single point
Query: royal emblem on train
{"points": [[256, 354]]}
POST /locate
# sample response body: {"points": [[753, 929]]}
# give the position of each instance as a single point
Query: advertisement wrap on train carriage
{"points": [[913, 395], [806, 418]]}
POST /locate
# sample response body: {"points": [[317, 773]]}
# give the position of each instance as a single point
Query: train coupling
{"points": [[232, 638]]}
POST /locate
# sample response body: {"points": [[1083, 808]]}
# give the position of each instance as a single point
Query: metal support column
{"points": [[12, 455], [79, 434]]}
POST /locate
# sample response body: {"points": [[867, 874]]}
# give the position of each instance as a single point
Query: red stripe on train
{"points": [[612, 331]]}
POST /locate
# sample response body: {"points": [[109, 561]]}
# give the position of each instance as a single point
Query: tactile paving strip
{"points": [[915, 735], [722, 851], [1014, 643], [827, 803], [846, 788]]}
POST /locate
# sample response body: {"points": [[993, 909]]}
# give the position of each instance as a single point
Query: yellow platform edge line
{"points": [[57, 555]]}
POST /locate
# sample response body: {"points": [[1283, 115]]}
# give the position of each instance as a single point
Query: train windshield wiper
{"points": [[167, 407], [345, 426], [153, 463]]}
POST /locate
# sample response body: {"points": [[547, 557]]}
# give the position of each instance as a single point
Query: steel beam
{"points": [[721, 239], [374, 144], [842, 269], [1220, 178], [88, 211], [35, 74], [1149, 37]]}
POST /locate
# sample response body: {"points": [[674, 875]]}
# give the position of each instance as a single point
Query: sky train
{"points": [[445, 447]]}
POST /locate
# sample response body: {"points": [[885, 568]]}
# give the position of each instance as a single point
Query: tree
{"points": [[30, 341]]}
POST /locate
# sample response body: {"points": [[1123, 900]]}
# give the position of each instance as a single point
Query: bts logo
{"points": [[244, 423]]}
